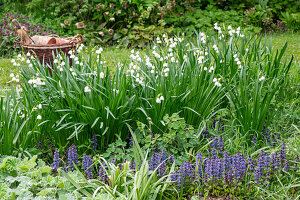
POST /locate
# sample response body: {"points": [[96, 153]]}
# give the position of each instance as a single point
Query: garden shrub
{"points": [[137, 23], [214, 73]]}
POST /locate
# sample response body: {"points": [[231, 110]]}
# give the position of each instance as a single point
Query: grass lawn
{"points": [[113, 55], [293, 40]]}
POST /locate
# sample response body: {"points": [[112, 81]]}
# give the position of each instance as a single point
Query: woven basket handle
{"points": [[16, 23], [22, 32]]}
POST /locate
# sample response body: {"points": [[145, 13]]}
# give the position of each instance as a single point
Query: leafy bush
{"points": [[137, 23], [214, 73], [32, 179]]}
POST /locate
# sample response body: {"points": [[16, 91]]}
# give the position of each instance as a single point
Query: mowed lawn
{"points": [[115, 55]]}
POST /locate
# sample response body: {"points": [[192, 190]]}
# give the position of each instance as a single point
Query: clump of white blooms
{"points": [[203, 37], [237, 31], [101, 75], [39, 117], [158, 41], [135, 56], [211, 69], [36, 82], [99, 51], [14, 78], [87, 89], [261, 78], [159, 99], [237, 60], [217, 82], [80, 48], [216, 48], [13, 61]]}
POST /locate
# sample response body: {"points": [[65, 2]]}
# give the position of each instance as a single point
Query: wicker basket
{"points": [[45, 52]]}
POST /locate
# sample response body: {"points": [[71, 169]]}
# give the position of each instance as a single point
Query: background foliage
{"points": [[135, 23]]}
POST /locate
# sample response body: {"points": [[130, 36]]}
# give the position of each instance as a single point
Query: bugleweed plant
{"points": [[137, 179], [199, 79]]}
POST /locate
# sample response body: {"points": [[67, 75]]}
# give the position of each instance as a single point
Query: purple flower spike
{"points": [[94, 142], [199, 162], [282, 154], [171, 159], [102, 174], [72, 156], [56, 160], [257, 175]]}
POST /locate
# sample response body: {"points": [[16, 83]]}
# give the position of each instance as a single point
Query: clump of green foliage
{"points": [[137, 23]]}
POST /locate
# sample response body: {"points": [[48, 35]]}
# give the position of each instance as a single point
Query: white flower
{"points": [[72, 56], [246, 49], [55, 61], [22, 116], [19, 89], [76, 58], [158, 100], [87, 89], [40, 106], [262, 78], [152, 71], [11, 75], [28, 54], [13, 61], [22, 59], [205, 68], [238, 62], [229, 27], [19, 55], [30, 65], [99, 50], [162, 98], [61, 69], [218, 84], [77, 62], [74, 74], [215, 80], [81, 64], [62, 63], [70, 52], [235, 55], [39, 117], [101, 75]]}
